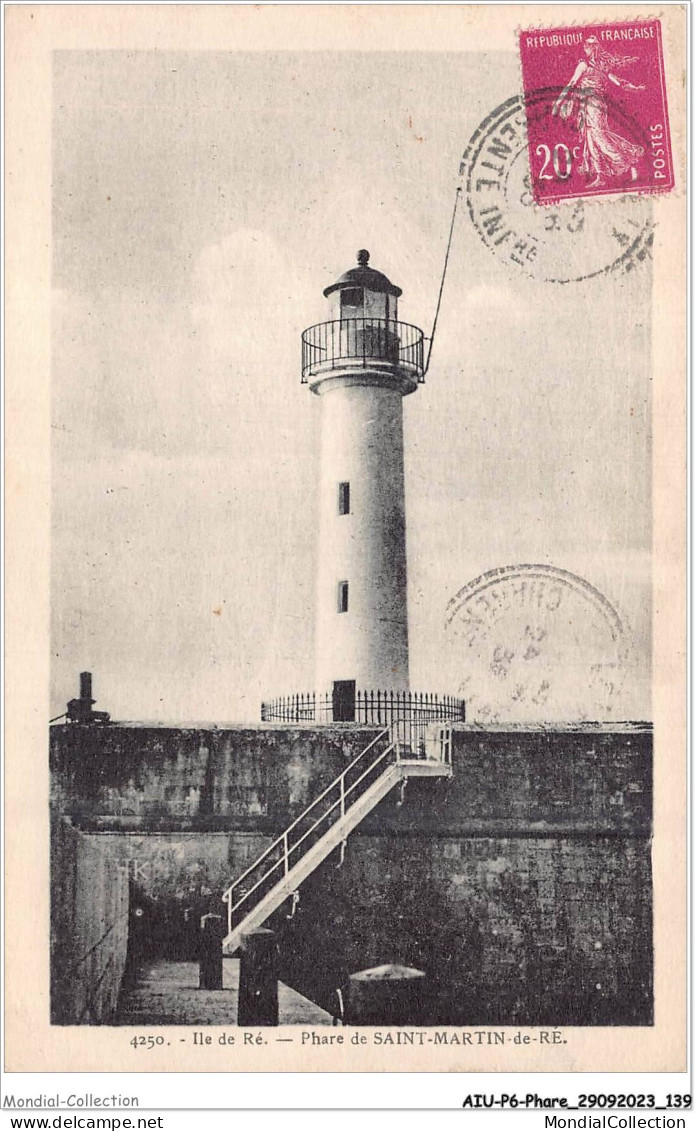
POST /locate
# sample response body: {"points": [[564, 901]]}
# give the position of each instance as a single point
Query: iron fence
{"points": [[380, 708], [361, 342]]}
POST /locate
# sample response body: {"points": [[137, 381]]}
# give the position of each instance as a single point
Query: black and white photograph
{"points": [[356, 550]]}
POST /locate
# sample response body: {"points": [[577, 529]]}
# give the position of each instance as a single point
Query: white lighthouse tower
{"points": [[361, 363]]}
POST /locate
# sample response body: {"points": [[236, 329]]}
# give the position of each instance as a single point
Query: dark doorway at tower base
{"points": [[344, 700]]}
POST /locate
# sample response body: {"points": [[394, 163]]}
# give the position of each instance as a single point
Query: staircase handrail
{"points": [[288, 849], [283, 836]]}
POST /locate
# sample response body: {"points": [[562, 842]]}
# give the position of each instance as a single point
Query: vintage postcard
{"points": [[346, 515]]}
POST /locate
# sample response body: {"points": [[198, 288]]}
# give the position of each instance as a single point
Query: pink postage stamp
{"points": [[596, 109]]}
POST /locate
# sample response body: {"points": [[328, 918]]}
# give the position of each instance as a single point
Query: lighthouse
{"points": [[361, 363]]}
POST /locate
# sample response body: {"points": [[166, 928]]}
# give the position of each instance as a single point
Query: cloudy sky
{"points": [[202, 201]]}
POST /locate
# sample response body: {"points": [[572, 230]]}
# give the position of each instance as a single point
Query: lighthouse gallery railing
{"points": [[361, 341]]}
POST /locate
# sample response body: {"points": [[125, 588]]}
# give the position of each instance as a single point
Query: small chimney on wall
{"points": [[80, 710]]}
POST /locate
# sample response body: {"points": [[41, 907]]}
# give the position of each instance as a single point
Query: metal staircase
{"points": [[399, 752]]}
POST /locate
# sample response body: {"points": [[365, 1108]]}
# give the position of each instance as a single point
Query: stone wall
{"points": [[522, 885], [158, 777], [89, 927], [513, 930], [589, 778]]}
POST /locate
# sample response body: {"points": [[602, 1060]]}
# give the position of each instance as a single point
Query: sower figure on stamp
{"points": [[605, 153]]}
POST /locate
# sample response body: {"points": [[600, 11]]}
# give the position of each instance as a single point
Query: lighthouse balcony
{"points": [[352, 344]]}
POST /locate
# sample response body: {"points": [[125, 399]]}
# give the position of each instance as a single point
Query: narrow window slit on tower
{"points": [[343, 498], [342, 596]]}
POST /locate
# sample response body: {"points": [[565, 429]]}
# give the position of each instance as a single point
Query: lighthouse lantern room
{"points": [[364, 333]]}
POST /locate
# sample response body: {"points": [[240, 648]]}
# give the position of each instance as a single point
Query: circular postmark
{"points": [[537, 643], [566, 242]]}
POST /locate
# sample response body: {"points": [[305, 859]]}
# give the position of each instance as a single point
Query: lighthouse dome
{"points": [[365, 277]]}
